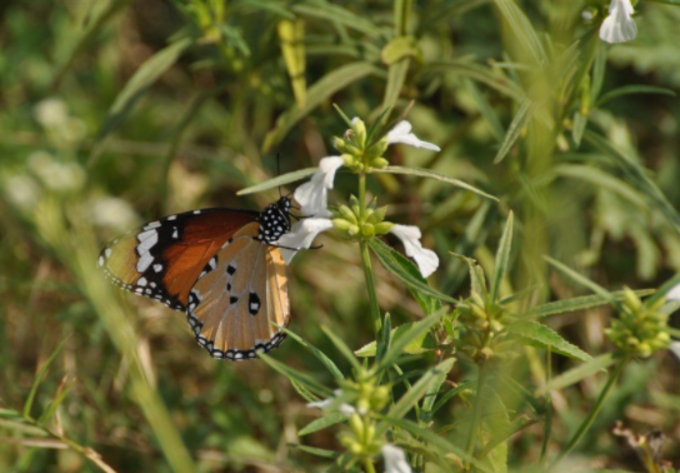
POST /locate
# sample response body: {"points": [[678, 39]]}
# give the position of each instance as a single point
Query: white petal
{"points": [[320, 404], [427, 260], [395, 459], [313, 195], [302, 236], [619, 26], [346, 409], [674, 293], [401, 133]]}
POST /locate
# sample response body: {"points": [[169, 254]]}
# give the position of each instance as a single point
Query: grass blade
{"points": [[38, 379], [411, 171], [502, 258]]}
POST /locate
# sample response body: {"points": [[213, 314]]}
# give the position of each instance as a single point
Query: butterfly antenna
{"points": [[278, 169]]}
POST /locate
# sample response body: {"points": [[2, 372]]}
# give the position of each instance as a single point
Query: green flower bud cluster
{"points": [[640, 330], [357, 153], [480, 327], [349, 219], [368, 398]]}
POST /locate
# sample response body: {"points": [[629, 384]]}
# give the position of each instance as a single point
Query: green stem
{"points": [[366, 263], [476, 414], [588, 422], [547, 430]]}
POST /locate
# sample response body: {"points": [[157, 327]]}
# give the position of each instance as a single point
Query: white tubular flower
{"points": [[401, 133], [395, 459], [427, 260], [619, 26], [313, 195], [344, 408], [301, 236], [674, 293]]}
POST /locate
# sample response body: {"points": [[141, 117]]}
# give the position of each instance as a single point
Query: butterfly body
{"points": [[220, 266]]}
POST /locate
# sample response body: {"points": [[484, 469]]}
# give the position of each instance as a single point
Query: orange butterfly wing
{"points": [[163, 259]]}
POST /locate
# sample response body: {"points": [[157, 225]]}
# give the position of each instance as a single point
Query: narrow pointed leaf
{"points": [[539, 335], [322, 423], [296, 376], [502, 258], [413, 395], [575, 304], [411, 171], [281, 180], [321, 356], [522, 117], [584, 281], [581, 372], [39, 378]]}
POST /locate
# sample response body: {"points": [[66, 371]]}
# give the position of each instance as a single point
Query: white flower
{"points": [[302, 236], [674, 293], [395, 459], [313, 195], [401, 133], [427, 260], [344, 408], [111, 212], [619, 26]]}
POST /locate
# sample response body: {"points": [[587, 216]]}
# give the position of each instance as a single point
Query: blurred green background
{"points": [[117, 112]]}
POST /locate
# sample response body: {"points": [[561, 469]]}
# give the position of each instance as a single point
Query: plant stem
{"points": [[476, 414], [366, 263], [368, 466], [547, 430], [588, 422]]}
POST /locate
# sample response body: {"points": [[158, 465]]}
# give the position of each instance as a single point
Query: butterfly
{"points": [[220, 266]]}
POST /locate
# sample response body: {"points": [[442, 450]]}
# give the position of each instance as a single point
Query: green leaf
{"points": [[638, 177], [405, 270], [323, 89], [296, 377], [415, 331], [416, 346], [266, 5], [601, 179], [543, 337], [584, 281], [333, 13], [663, 290], [443, 445], [436, 375], [633, 89], [281, 180], [342, 347], [522, 117], [321, 356], [327, 420], [38, 379], [446, 397], [433, 389], [411, 171], [319, 452], [137, 86], [396, 76], [63, 390], [478, 73], [581, 372], [292, 41], [579, 303], [579, 126], [523, 30], [502, 258]]}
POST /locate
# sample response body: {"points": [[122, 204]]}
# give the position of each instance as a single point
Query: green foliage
{"points": [[553, 193]]}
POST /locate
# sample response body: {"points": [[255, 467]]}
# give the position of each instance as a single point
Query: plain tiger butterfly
{"points": [[219, 266]]}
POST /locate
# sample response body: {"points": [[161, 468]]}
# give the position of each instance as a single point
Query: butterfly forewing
{"points": [[233, 308], [163, 259]]}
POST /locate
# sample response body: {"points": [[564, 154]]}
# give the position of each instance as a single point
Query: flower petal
{"points": [[674, 293], [302, 236], [395, 459], [401, 133], [619, 26], [427, 260], [313, 195]]}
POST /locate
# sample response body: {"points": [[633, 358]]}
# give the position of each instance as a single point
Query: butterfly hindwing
{"points": [[164, 258], [233, 308]]}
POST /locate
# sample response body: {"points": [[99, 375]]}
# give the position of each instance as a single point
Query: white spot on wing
{"points": [[144, 262], [156, 267], [175, 233], [108, 252], [142, 282], [101, 261], [148, 243], [152, 225], [196, 212], [172, 217]]}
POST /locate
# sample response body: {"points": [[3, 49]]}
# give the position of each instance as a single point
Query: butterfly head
{"points": [[275, 220]]}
